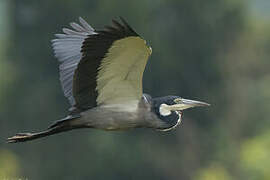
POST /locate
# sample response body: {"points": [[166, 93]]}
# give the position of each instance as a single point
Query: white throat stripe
{"points": [[164, 110]]}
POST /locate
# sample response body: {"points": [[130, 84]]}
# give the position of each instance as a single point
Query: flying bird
{"points": [[101, 75]]}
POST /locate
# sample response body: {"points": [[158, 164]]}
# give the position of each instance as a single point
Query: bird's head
{"points": [[170, 109]]}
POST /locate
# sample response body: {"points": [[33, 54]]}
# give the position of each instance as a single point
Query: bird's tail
{"points": [[58, 127]]}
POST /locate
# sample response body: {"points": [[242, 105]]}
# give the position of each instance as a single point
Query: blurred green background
{"points": [[212, 50]]}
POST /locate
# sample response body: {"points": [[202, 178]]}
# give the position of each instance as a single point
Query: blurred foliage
{"points": [[9, 166], [214, 172], [209, 50], [255, 157]]}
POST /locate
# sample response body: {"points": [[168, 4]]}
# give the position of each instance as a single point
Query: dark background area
{"points": [[213, 50]]}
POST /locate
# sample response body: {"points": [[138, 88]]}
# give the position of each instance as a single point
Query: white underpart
{"points": [[67, 49], [165, 110]]}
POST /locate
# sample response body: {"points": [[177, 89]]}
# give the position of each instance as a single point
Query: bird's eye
{"points": [[178, 100]]}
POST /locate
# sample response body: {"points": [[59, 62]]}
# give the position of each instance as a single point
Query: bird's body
{"points": [[115, 117], [121, 117], [101, 74]]}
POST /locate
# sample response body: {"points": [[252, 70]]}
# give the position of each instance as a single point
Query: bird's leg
{"points": [[22, 137], [57, 128]]}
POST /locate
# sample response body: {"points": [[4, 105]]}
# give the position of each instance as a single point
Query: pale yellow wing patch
{"points": [[120, 74]]}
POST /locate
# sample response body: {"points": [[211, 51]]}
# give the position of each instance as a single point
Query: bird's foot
{"points": [[20, 137]]}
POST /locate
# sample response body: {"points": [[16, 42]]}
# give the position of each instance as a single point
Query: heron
{"points": [[101, 74]]}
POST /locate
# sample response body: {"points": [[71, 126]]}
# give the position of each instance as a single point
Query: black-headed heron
{"points": [[101, 74]]}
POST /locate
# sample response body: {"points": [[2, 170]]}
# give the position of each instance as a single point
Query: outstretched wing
{"points": [[101, 67]]}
